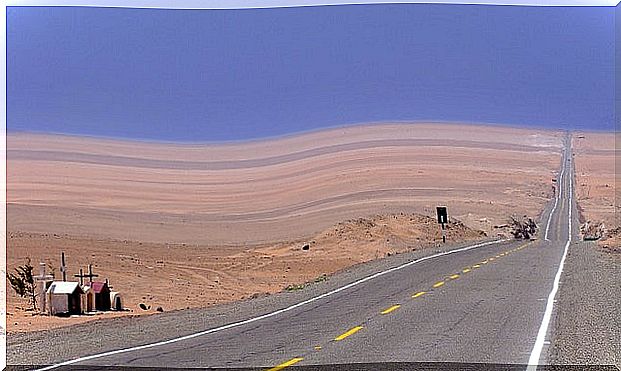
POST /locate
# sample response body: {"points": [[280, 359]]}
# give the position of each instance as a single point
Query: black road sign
{"points": [[442, 214]]}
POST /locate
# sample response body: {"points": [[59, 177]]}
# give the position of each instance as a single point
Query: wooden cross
{"points": [[90, 275], [63, 267]]}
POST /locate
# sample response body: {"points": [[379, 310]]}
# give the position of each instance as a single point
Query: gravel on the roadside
{"points": [[587, 321]]}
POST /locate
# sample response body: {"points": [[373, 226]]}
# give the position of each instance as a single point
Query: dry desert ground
{"points": [[190, 225], [594, 155]]}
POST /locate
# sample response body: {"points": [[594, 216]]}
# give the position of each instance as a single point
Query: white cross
{"points": [[42, 280], [42, 276]]}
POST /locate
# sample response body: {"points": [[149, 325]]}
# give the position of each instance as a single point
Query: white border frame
{"points": [[189, 4]]}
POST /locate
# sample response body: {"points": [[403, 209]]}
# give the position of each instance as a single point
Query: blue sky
{"points": [[210, 75]]}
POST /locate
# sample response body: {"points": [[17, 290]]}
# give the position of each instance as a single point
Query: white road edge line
{"points": [[535, 355], [244, 322], [558, 196]]}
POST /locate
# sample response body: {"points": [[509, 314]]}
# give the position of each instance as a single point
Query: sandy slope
{"points": [[181, 276], [166, 221]]}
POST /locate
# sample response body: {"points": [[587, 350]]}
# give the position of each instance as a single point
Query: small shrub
{"points": [[23, 283]]}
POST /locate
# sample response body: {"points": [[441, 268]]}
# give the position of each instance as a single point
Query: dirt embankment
{"points": [[177, 276]]}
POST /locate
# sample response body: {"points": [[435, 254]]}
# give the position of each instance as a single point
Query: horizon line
{"points": [[302, 132], [267, 4]]}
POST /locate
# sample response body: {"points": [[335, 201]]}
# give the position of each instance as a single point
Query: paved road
{"points": [[485, 304]]}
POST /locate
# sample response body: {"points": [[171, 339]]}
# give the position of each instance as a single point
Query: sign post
{"points": [[442, 220]]}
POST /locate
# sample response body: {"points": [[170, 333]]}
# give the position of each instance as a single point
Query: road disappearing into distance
{"points": [[487, 303]]}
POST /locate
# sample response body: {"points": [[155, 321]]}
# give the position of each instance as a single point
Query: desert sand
{"points": [[186, 225], [595, 183]]}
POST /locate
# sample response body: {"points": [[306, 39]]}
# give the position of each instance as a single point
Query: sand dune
{"points": [[261, 191]]}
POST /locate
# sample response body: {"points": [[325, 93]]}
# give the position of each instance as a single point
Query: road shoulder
{"points": [[587, 324]]}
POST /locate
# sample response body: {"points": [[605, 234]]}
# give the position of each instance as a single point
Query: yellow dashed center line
{"points": [[395, 307], [348, 333], [391, 309], [285, 364]]}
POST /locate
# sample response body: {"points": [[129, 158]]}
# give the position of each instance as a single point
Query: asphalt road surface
{"points": [[485, 304]]}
